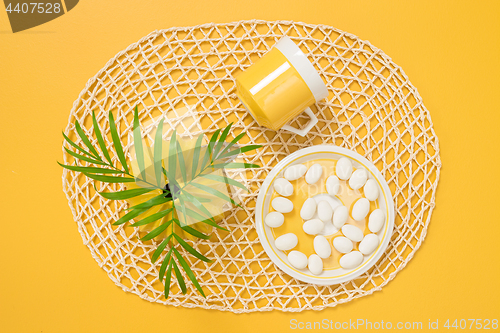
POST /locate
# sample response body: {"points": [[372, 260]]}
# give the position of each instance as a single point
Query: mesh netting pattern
{"points": [[372, 108]]}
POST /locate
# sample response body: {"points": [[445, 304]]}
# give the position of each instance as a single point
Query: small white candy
{"points": [[351, 260], [283, 187], [376, 220], [369, 244], [274, 219], [343, 168], [297, 259], [308, 209], [371, 190], [313, 227], [286, 242], [294, 172], [340, 216], [322, 247], [282, 205], [342, 244], [315, 264], [333, 185], [325, 211], [358, 179], [314, 174], [360, 209], [352, 232]]}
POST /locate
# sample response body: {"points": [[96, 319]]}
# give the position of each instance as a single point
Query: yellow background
{"points": [[48, 279]]}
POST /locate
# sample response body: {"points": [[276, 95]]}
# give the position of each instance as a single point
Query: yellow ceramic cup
{"points": [[281, 85]]}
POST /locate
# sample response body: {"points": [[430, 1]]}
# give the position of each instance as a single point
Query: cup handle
{"points": [[310, 124]]}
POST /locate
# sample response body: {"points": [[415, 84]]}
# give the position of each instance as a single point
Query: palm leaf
{"points": [[221, 141], [157, 231], [77, 146], [183, 207], [160, 248], [158, 154], [215, 150], [172, 162], [189, 272], [201, 219], [182, 164], [90, 169], [153, 217], [139, 150], [209, 151], [213, 224], [83, 157], [164, 264], [232, 143], [191, 250], [126, 194], [178, 274], [232, 165], [117, 143], [196, 156], [167, 279], [85, 139], [193, 213], [158, 200], [191, 198], [100, 139], [109, 179], [240, 151], [191, 231], [130, 215]]}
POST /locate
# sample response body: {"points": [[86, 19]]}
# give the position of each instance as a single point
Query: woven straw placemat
{"points": [[372, 108]]}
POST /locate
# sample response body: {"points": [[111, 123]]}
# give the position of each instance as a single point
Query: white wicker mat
{"points": [[372, 108]]}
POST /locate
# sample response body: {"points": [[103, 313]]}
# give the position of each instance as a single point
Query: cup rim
{"points": [[304, 67]]}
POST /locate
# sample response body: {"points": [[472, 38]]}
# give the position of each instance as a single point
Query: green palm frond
{"points": [[117, 143], [184, 173], [158, 200], [157, 151], [139, 149], [100, 139]]}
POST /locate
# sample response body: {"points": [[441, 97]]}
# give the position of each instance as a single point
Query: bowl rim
{"points": [[309, 278]]}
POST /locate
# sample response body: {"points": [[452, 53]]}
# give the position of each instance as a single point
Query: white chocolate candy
{"points": [[286, 242], [308, 209], [313, 227], [352, 232], [325, 211], [322, 247], [376, 220], [314, 173], [333, 185], [297, 259], [360, 209], [315, 264], [274, 219], [283, 187], [371, 190], [343, 168], [340, 216], [358, 179], [294, 172], [282, 205], [369, 244], [342, 244], [351, 260]]}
